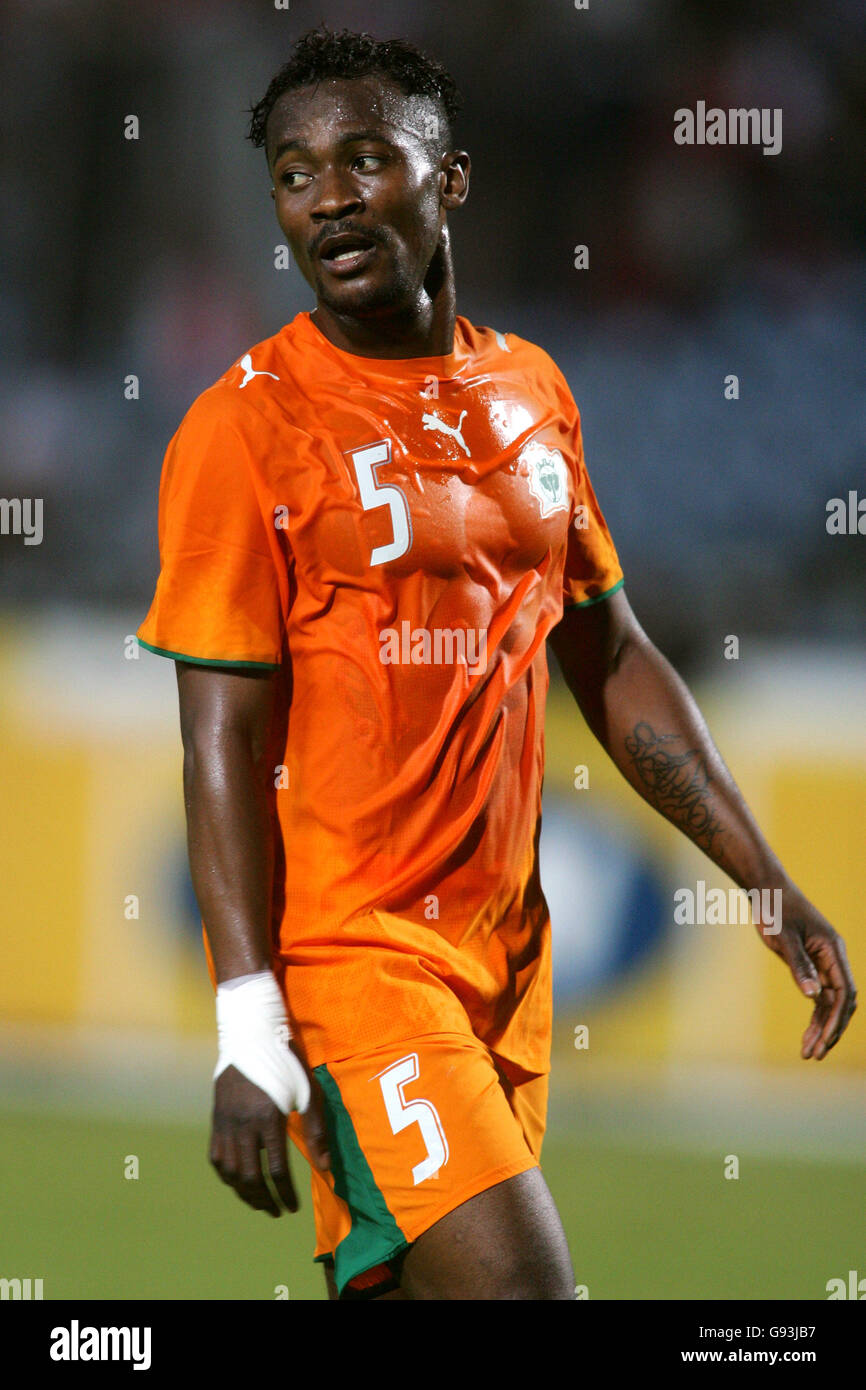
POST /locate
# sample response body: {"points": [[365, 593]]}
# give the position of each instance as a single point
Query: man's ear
{"points": [[454, 169]]}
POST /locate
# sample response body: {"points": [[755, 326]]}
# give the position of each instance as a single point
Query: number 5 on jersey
{"points": [[366, 462], [402, 1113]]}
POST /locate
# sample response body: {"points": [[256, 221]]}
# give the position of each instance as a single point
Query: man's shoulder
{"points": [[504, 348], [246, 395], [508, 344]]}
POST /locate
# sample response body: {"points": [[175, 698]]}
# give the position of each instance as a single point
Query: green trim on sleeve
{"points": [[208, 661], [585, 602]]}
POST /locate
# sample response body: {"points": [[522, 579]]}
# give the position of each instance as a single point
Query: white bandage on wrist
{"points": [[254, 1038]]}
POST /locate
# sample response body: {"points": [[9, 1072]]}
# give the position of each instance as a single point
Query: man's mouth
{"points": [[345, 254]]}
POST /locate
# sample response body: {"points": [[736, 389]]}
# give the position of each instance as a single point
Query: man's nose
{"points": [[337, 196]]}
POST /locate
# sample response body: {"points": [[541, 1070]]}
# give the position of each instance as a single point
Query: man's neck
{"points": [[422, 329], [395, 336]]}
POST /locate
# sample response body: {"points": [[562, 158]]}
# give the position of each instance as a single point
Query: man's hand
{"points": [[245, 1122], [816, 956]]}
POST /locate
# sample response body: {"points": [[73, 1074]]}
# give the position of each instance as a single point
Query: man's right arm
{"points": [[225, 717]]}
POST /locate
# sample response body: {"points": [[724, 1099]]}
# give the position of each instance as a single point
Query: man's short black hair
{"points": [[322, 53]]}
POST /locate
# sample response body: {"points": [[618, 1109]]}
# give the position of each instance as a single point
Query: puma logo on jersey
{"points": [[432, 422], [247, 363]]}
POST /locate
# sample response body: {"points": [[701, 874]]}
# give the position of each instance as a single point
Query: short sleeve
{"points": [[592, 569], [217, 599]]}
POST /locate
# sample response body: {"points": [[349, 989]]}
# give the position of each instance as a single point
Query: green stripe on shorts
{"points": [[375, 1235]]}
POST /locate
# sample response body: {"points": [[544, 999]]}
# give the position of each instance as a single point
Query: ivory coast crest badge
{"points": [[548, 478]]}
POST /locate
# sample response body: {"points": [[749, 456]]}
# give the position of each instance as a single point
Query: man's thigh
{"points": [[416, 1132], [505, 1243]]}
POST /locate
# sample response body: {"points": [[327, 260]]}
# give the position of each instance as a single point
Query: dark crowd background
{"points": [[156, 257]]}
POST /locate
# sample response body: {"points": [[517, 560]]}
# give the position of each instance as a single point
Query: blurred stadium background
{"points": [[155, 257]]}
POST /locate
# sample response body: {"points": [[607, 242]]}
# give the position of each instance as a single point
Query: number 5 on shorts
{"points": [[402, 1113]]}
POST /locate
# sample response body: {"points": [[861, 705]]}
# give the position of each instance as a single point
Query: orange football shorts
{"points": [[415, 1129]]}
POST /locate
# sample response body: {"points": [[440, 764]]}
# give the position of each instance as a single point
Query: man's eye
{"points": [[370, 159], [290, 175]]}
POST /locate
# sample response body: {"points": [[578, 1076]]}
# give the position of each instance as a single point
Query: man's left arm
{"points": [[645, 718]]}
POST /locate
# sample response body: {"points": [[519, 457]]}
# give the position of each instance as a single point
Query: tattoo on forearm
{"points": [[677, 784]]}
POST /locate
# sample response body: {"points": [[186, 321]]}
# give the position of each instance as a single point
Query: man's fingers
{"points": [[244, 1127], [237, 1157], [837, 1003], [802, 968], [277, 1160], [234, 1158], [816, 956], [843, 1006], [817, 1023], [247, 1122], [823, 1008], [811, 1035], [223, 1155], [236, 1154], [251, 1186], [215, 1153], [315, 1131]]}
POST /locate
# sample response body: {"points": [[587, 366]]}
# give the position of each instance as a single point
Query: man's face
{"points": [[357, 191]]}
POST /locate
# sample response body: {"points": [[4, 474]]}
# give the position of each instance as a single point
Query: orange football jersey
{"points": [[396, 539]]}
